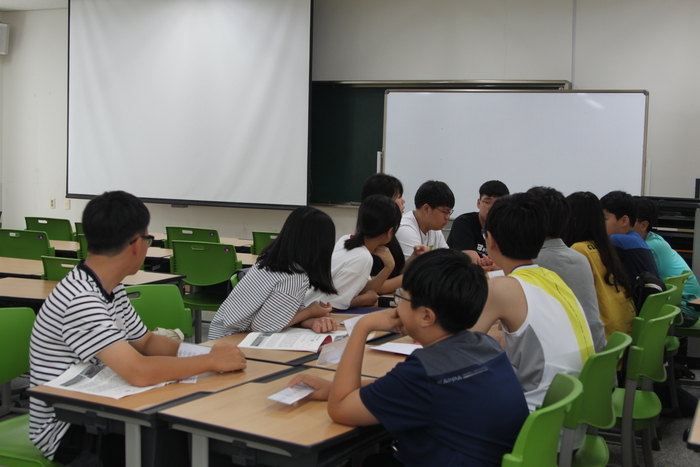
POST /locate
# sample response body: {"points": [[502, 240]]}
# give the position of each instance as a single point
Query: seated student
{"points": [[377, 220], [544, 328], [620, 211], [668, 261], [466, 232], [423, 226], [270, 297], [571, 266], [387, 185], [586, 234], [454, 402], [88, 318]]}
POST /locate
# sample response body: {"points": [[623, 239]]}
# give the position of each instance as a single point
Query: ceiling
{"points": [[20, 5]]}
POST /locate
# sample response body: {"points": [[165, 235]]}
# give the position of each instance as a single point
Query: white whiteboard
{"points": [[569, 140], [189, 101]]}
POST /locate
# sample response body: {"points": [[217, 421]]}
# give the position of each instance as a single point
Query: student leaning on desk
{"points": [[457, 401], [88, 318]]}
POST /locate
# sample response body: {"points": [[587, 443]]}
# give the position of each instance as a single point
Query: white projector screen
{"points": [[190, 101], [569, 140]]}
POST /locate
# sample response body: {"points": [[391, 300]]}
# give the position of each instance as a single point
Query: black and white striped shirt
{"points": [[263, 301], [77, 321]]}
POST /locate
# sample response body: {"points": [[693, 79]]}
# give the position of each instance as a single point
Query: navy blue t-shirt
{"points": [[634, 253], [456, 402]]}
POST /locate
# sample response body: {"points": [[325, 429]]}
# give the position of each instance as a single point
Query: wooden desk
{"points": [[65, 245], [247, 259], [376, 363], [17, 267], [138, 412], [155, 252], [267, 432]]}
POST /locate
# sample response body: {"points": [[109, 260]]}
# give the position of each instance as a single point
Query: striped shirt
{"points": [[76, 322], [264, 301]]}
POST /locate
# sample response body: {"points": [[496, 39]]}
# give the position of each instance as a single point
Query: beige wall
{"points": [[603, 44]]}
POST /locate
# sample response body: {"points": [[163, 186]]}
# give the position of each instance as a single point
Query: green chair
{"points": [[82, 251], [262, 240], [15, 330], [26, 244], [538, 442], [653, 307], [189, 234], [161, 306], [636, 405], [78, 231], [56, 229], [204, 264], [594, 407], [672, 342], [56, 268]]}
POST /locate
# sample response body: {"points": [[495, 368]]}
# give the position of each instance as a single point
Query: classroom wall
{"points": [[597, 44]]}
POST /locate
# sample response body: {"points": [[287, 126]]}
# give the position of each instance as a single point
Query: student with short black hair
{"points": [[457, 401], [585, 233], [377, 220], [423, 226], [270, 297], [668, 261], [88, 318], [544, 327], [390, 186], [620, 211], [571, 266], [466, 232]]}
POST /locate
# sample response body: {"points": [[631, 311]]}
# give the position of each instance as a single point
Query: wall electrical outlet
{"points": [[52, 203], [67, 205]]}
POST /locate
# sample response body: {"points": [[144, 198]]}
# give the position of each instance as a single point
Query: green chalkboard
{"points": [[347, 126]]}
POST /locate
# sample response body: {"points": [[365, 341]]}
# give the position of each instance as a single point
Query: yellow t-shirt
{"points": [[616, 310]]}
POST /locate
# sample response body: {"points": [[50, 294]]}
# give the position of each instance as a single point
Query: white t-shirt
{"points": [[410, 235], [350, 271]]}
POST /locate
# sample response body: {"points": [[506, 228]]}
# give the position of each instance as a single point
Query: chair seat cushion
{"points": [[647, 407], [15, 448]]}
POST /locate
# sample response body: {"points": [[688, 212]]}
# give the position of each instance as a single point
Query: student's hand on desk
{"points": [[386, 257], [326, 324], [383, 320], [322, 386], [227, 357], [320, 309]]}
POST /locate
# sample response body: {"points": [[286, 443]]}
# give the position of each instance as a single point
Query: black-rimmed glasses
{"points": [[149, 239]]}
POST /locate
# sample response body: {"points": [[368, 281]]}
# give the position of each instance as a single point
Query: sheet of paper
{"points": [[403, 349], [350, 323], [291, 395], [331, 353], [191, 350]]}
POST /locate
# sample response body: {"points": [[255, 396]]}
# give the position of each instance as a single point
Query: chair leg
{"points": [[627, 441], [197, 326], [646, 447], [671, 378], [6, 398], [566, 449]]}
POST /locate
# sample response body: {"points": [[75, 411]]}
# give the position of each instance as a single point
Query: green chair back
{"points": [[646, 356], [56, 229], [16, 450], [677, 296], [56, 268], [78, 230], [26, 244], [190, 234], [261, 240], [538, 442], [161, 306], [595, 406], [204, 263], [652, 307], [82, 251]]}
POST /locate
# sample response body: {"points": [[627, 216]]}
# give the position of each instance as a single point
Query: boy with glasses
{"points": [[421, 229], [457, 400], [88, 318]]}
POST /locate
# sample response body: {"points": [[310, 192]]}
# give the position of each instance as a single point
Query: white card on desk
{"points": [[291, 395], [403, 349]]}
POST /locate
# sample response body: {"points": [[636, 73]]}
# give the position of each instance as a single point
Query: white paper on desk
{"points": [[350, 323], [191, 350], [403, 349], [291, 395], [331, 353], [98, 380]]}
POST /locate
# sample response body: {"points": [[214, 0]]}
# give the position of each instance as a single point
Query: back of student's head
{"points": [[620, 203], [518, 224], [493, 189], [111, 220], [377, 214], [435, 194], [587, 224], [447, 282], [647, 210], [557, 209], [305, 244], [382, 184]]}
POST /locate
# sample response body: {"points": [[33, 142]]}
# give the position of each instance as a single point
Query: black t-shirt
{"points": [[466, 234]]}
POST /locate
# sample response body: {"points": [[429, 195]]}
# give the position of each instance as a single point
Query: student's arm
{"points": [[377, 281], [344, 403], [322, 386], [142, 370], [417, 251], [390, 285], [506, 301], [155, 345]]}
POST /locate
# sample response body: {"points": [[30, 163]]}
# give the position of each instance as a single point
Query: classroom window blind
{"points": [[189, 101]]}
